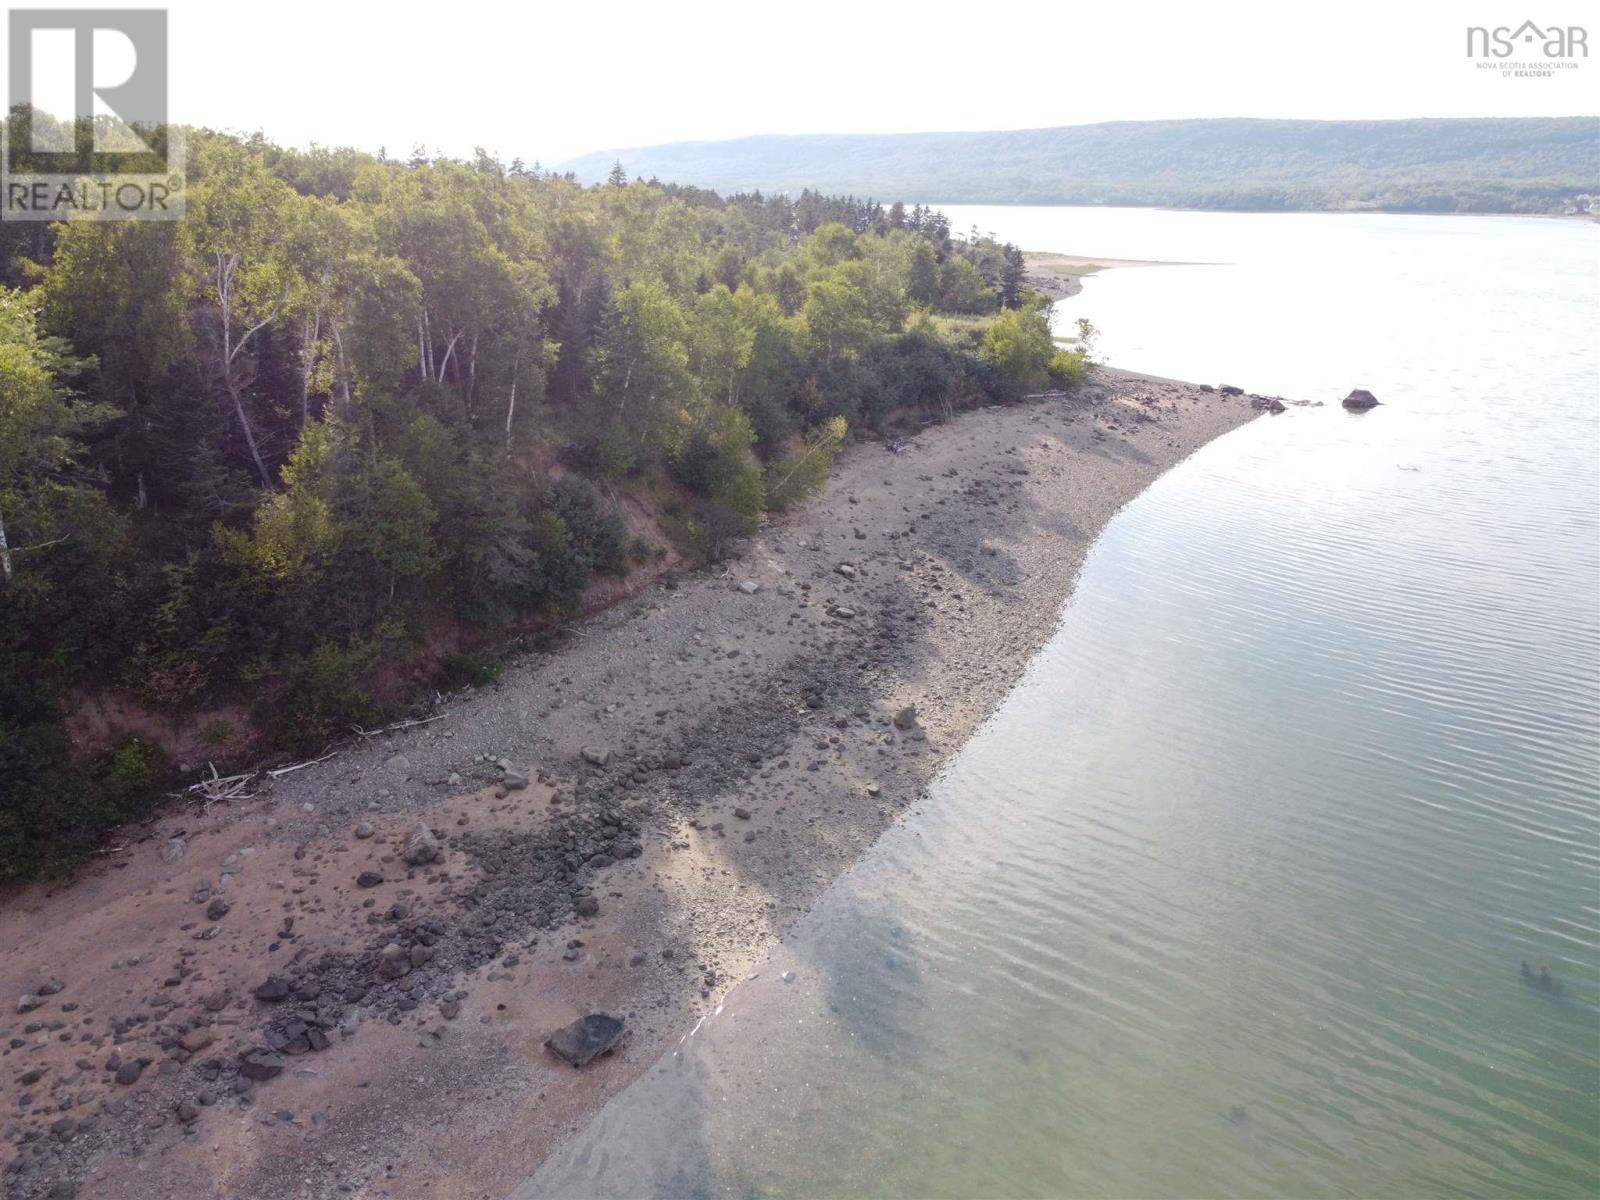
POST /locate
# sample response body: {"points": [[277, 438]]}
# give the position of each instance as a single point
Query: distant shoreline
{"points": [[1593, 218], [1430, 166]]}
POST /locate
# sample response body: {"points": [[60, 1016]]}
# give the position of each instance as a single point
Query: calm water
{"points": [[1229, 898]]}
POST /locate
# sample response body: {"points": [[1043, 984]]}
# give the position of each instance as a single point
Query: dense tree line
{"points": [[349, 402]]}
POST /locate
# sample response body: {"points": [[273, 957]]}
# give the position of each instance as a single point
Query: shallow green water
{"points": [[1230, 897]]}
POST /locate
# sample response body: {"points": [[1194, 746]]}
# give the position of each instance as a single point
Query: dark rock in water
{"points": [[1360, 400], [586, 1038], [1544, 980]]}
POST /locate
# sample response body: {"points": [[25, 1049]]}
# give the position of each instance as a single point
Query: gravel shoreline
{"points": [[322, 1003]]}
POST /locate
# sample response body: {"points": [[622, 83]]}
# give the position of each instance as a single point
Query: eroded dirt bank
{"points": [[266, 1000]]}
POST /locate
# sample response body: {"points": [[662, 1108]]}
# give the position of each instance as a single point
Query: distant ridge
{"points": [[1532, 164]]}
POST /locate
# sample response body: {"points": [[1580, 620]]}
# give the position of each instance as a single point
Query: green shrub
{"points": [[457, 671], [803, 473], [1018, 344], [56, 809], [1068, 368], [716, 464], [324, 695], [597, 535], [712, 528], [130, 774]]}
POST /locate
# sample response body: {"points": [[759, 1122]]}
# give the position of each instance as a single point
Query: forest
{"points": [[352, 414], [1523, 164]]}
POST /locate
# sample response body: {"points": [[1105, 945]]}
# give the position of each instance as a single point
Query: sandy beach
{"points": [[1061, 275], [300, 995]]}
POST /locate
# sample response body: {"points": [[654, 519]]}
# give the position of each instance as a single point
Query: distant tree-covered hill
{"points": [[1444, 165]]}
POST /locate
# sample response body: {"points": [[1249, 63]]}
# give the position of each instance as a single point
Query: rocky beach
{"points": [[344, 986]]}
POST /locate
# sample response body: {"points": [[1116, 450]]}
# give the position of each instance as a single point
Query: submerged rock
{"points": [[586, 1038], [1360, 400]]}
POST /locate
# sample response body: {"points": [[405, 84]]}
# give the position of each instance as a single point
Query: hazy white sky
{"points": [[547, 81]]}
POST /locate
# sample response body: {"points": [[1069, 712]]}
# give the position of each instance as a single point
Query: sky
{"points": [[545, 82]]}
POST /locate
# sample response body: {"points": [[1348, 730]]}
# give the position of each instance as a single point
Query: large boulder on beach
{"points": [[587, 1037], [1360, 400]]}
